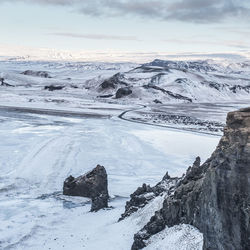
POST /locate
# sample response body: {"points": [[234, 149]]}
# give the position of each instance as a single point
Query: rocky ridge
{"points": [[213, 197], [144, 194]]}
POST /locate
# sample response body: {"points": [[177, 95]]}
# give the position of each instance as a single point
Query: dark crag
{"points": [[214, 197], [93, 184]]}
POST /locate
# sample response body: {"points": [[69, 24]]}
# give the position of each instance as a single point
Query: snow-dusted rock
{"points": [[143, 195], [93, 184], [213, 197], [121, 92]]}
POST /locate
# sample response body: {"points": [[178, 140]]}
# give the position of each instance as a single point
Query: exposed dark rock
{"points": [[74, 86], [236, 88], [157, 101], [150, 69], [171, 94], [143, 195], [113, 81], [214, 85], [186, 121], [181, 80], [156, 78], [93, 184], [43, 74], [53, 87], [213, 197], [121, 92], [3, 83], [105, 96]]}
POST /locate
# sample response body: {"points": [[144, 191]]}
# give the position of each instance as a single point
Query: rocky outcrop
{"points": [[169, 93], [93, 184], [144, 194], [213, 197], [3, 83], [42, 74], [157, 101], [53, 87], [121, 92], [113, 81]]}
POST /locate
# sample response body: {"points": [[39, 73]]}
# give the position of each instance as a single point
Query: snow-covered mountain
{"points": [[47, 133], [181, 81], [156, 82]]}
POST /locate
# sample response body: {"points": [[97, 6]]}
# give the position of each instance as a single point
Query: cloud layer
{"points": [[196, 11], [95, 36]]}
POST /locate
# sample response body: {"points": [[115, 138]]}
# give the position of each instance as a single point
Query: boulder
{"points": [[113, 81], [213, 197], [121, 92], [93, 184]]}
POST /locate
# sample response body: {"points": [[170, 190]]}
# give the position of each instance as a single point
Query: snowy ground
{"points": [[45, 136], [38, 152], [223, 88]]}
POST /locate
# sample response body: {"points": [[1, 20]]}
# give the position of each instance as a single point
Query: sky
{"points": [[139, 26]]}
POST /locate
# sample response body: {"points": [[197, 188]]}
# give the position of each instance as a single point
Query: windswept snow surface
{"points": [[45, 136], [194, 95], [39, 151]]}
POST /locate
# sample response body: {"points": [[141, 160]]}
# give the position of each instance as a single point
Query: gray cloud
{"points": [[197, 11], [95, 36]]}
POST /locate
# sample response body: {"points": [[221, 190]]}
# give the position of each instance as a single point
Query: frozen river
{"points": [[39, 151]]}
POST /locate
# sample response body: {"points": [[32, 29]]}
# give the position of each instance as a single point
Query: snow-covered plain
{"points": [[38, 152]]}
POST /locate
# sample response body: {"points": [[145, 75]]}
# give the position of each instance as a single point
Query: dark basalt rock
{"points": [[121, 92], [3, 83], [170, 93], [181, 80], [213, 197], [43, 74], [105, 96], [157, 101], [53, 87], [113, 81], [202, 125], [237, 88], [93, 184], [143, 195]]}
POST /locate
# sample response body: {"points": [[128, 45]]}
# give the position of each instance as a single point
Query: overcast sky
{"points": [[175, 26]]}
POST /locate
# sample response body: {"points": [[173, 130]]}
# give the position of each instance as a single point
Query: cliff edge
{"points": [[213, 197]]}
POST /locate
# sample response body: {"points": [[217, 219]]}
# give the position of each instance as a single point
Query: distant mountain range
{"points": [[159, 81], [163, 81]]}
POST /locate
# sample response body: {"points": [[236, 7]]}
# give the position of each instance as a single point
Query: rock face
{"points": [[113, 81], [214, 197], [123, 92], [143, 195], [93, 184]]}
